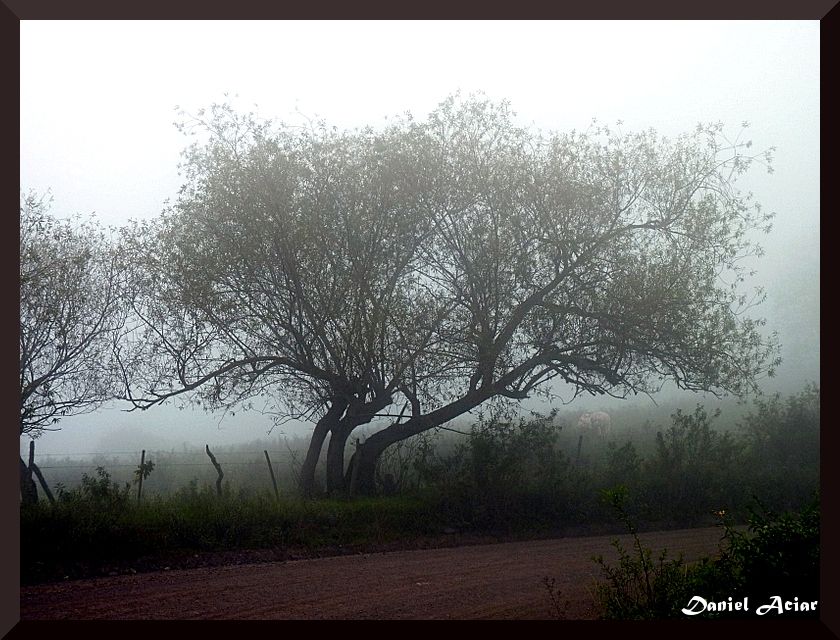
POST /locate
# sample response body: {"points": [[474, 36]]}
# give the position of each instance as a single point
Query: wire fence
{"points": [[98, 457], [175, 470]]}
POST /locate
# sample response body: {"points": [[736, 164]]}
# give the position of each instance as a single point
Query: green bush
{"points": [[508, 475], [782, 439], [777, 556]]}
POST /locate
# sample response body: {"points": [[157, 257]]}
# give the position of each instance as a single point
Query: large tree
{"points": [[433, 266], [608, 261]]}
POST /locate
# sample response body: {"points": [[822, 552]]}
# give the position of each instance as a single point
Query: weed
{"points": [[639, 587], [558, 611]]}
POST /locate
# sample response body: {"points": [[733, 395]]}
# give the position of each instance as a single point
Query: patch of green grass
{"points": [[101, 523]]}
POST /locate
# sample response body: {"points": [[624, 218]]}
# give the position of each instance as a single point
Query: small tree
{"points": [[70, 317]]}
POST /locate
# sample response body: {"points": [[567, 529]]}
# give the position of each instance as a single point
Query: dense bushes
{"points": [[782, 447], [693, 470], [509, 473]]}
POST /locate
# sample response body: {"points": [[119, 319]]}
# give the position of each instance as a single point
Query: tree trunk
{"points": [[367, 454], [322, 428], [338, 482], [306, 484], [335, 459], [363, 465], [364, 460]]}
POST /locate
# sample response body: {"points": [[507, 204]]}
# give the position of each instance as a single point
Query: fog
{"points": [[98, 101]]}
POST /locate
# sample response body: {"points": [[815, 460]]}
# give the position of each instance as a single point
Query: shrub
{"points": [[778, 555], [507, 475], [98, 493], [693, 469], [782, 444]]}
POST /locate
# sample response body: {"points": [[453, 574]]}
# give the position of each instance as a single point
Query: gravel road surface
{"points": [[493, 581]]}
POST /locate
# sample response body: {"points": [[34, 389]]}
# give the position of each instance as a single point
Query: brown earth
{"points": [[493, 581]]}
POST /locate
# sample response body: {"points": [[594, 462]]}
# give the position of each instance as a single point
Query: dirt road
{"points": [[501, 581]]}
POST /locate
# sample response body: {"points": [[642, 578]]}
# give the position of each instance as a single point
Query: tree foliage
{"points": [[435, 265], [71, 316]]}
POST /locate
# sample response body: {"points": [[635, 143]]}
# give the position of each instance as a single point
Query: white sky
{"points": [[99, 98]]}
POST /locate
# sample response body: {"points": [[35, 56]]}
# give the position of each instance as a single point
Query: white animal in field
{"points": [[595, 422]]}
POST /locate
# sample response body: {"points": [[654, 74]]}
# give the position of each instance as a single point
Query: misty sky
{"points": [[98, 102]]}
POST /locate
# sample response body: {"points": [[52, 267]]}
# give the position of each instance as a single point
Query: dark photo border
{"points": [[13, 11]]}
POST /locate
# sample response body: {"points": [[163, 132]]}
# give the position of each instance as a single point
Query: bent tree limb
{"points": [[367, 454], [218, 470]]}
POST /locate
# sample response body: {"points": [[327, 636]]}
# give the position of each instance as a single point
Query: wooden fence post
{"points": [[29, 481], [218, 470], [43, 482], [33, 468], [28, 490], [271, 471], [140, 482]]}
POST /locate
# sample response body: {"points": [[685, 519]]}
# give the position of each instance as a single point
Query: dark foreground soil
{"points": [[492, 581]]}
